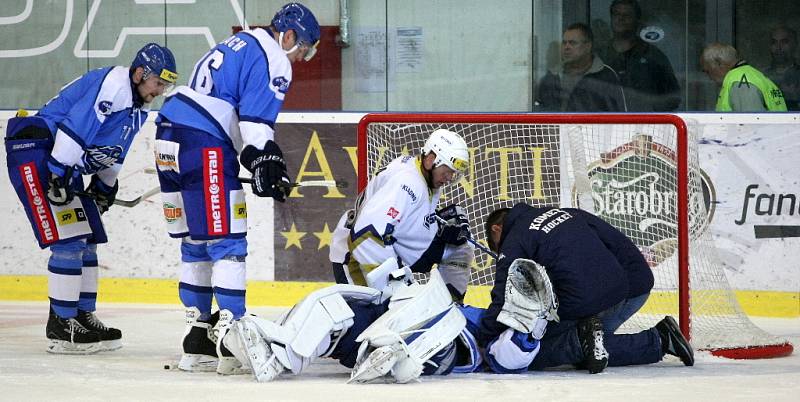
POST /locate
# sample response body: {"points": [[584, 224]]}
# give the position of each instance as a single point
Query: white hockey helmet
{"points": [[450, 150]]}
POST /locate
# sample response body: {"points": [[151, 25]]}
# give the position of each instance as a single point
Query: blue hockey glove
{"points": [[59, 185], [103, 194], [268, 169], [453, 225]]}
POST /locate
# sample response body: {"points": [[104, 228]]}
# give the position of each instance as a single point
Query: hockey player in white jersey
{"points": [[395, 227], [86, 129], [225, 115]]}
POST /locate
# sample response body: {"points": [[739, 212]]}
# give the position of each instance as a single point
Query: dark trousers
{"points": [[560, 344]]}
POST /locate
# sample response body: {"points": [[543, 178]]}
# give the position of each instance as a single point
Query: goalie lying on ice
{"points": [[419, 331]]}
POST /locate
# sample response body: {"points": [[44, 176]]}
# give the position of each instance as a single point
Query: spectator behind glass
{"points": [[742, 87], [582, 83], [783, 69], [644, 71]]}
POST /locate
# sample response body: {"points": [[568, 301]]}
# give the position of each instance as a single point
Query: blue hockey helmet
{"points": [[158, 60], [301, 20]]}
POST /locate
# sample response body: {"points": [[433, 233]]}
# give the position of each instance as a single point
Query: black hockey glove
{"points": [[103, 194], [268, 169], [59, 186], [453, 225]]}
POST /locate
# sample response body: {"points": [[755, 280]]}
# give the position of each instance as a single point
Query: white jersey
{"points": [[395, 217]]}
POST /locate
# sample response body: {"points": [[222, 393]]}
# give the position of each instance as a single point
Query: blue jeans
{"points": [[615, 316], [560, 344]]}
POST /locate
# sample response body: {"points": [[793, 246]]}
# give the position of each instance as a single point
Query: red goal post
{"points": [[571, 158]]}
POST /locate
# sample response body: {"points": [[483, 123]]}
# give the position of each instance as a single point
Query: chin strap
{"points": [[280, 43]]}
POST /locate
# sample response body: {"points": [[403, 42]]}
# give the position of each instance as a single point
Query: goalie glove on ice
{"points": [[103, 194], [453, 225], [268, 169]]}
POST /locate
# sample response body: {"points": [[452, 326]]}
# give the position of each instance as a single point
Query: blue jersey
{"points": [[591, 264], [94, 119], [235, 92]]}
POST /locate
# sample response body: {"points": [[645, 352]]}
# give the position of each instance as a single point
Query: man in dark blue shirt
{"points": [[600, 279]]}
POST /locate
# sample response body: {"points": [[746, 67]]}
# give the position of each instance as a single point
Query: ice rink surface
{"points": [[152, 334]]}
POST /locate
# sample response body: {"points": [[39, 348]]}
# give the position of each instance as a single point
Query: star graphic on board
{"points": [[293, 237], [324, 237]]}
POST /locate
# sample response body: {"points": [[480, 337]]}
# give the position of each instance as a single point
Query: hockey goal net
{"points": [[638, 172]]}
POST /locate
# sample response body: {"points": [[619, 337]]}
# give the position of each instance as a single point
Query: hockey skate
{"points": [[228, 363], [199, 348], [68, 336], [110, 338], [590, 335], [673, 342]]}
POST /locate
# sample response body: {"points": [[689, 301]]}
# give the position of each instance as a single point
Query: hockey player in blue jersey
{"points": [[600, 279], [225, 115], [86, 129]]}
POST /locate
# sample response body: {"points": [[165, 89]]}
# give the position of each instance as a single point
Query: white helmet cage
{"points": [[450, 150]]}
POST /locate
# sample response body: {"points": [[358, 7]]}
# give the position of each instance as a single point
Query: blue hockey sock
{"points": [[64, 277]]}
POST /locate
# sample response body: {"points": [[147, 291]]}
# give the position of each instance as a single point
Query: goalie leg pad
{"points": [[312, 328], [530, 301], [421, 321], [247, 342]]}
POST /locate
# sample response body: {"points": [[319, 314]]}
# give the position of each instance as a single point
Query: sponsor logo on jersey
{"points": [[281, 83], [393, 213], [214, 191], [24, 145], [240, 211], [549, 220], [166, 161], [104, 107], [634, 188], [40, 208], [100, 157], [70, 216], [172, 212], [410, 192], [429, 220]]}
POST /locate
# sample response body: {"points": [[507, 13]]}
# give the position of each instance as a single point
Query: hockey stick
{"points": [[305, 183], [471, 240], [126, 203]]}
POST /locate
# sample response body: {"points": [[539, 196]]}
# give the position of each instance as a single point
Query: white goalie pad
{"points": [[311, 329], [530, 301], [421, 321]]}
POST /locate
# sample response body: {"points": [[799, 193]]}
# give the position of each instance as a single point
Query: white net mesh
{"points": [[624, 173]]}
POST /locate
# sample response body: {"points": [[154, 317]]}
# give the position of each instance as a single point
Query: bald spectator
{"points": [[783, 69], [582, 83], [743, 88], [644, 71]]}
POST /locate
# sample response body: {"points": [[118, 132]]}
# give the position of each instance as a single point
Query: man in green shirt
{"points": [[743, 88]]}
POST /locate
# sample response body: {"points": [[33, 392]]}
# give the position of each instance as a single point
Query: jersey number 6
{"points": [[202, 81]]}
